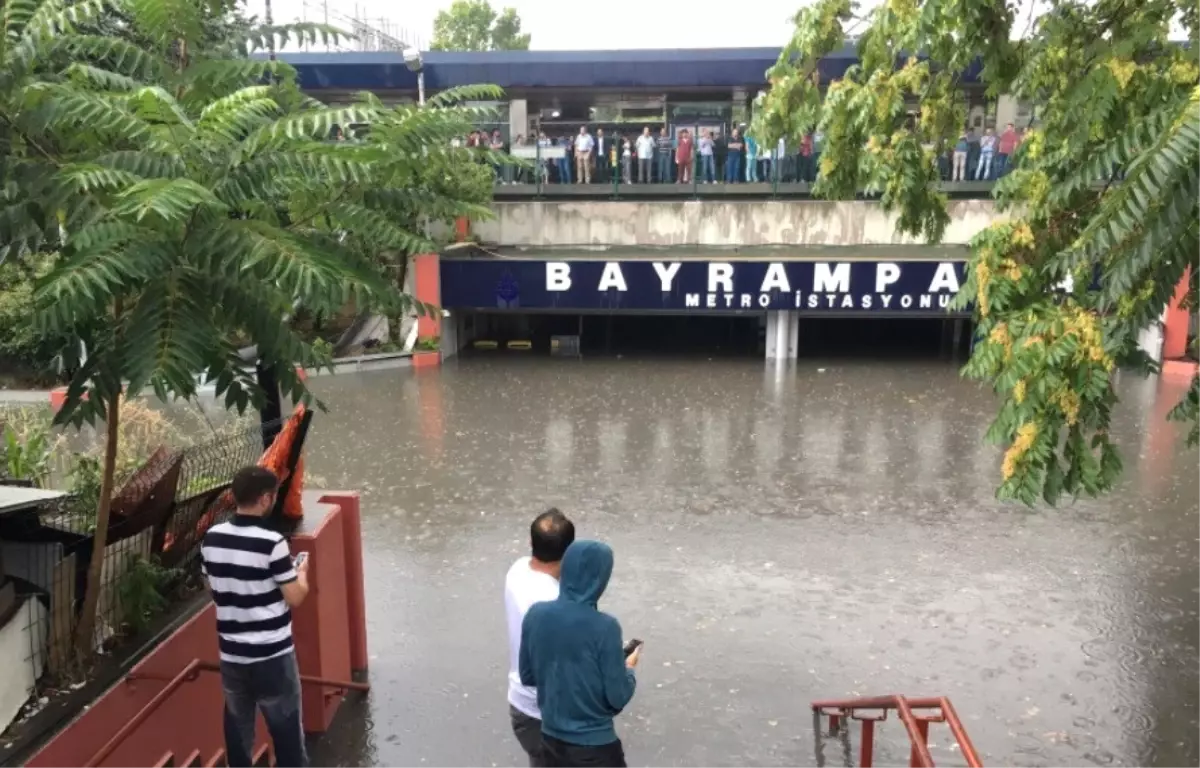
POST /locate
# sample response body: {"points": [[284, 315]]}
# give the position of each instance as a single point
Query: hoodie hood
{"points": [[586, 569]]}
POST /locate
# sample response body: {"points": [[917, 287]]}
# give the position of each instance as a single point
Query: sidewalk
{"points": [[24, 396]]}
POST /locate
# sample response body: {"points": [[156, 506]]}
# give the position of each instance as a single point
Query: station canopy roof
{"points": [[661, 69], [831, 253]]}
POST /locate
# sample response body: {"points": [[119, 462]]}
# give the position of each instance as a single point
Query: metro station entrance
{"points": [[625, 333], [777, 310]]}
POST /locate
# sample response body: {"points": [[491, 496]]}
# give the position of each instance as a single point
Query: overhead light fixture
{"points": [[412, 60], [555, 113]]}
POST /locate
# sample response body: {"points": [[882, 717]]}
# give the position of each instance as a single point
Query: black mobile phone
{"points": [[632, 646]]}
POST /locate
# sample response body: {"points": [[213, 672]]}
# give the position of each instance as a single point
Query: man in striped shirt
{"points": [[255, 585]]}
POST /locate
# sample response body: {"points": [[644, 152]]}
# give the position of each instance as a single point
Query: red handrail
{"points": [[917, 725], [189, 669], [190, 672]]}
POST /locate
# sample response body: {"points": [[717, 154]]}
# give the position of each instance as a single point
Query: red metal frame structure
{"points": [[189, 673], [916, 723]]}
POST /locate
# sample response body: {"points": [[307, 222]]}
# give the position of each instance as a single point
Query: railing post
{"points": [[914, 756], [696, 164], [614, 168], [539, 168], [867, 755]]}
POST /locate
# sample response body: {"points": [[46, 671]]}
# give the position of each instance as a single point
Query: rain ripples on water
{"points": [[781, 535]]}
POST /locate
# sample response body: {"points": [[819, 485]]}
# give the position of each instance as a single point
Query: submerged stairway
{"points": [[916, 714]]}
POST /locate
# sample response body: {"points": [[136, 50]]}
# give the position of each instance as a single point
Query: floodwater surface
{"points": [[782, 534]]}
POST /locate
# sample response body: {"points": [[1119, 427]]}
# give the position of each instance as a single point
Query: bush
{"points": [[22, 346]]}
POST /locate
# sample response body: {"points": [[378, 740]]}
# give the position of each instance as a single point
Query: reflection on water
{"points": [[782, 535]]}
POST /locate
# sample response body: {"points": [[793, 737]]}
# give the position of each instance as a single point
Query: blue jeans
{"points": [[751, 168], [983, 171], [271, 686], [564, 170], [707, 169], [1001, 165], [733, 167], [663, 164]]}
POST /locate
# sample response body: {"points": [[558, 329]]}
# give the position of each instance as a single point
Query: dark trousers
{"points": [[563, 755], [664, 167], [528, 731], [733, 168], [603, 169], [273, 688]]}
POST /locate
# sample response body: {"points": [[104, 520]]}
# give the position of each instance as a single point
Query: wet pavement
{"points": [[781, 535]]}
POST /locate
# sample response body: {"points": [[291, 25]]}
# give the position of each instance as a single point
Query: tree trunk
{"points": [[91, 599]]}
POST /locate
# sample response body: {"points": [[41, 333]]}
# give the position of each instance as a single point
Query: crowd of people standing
{"points": [[660, 156]]}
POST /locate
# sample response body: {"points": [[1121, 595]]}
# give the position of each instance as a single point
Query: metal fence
{"points": [[553, 172], [151, 558]]}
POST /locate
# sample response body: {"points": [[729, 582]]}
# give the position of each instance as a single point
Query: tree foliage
{"points": [[195, 196], [1103, 198], [473, 25]]}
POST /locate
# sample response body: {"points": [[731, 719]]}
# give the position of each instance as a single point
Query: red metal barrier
{"points": [[917, 725], [189, 673]]}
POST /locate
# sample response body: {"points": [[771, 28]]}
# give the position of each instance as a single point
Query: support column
{"points": [[518, 119], [451, 335], [1150, 339], [427, 289], [1175, 325], [783, 334]]}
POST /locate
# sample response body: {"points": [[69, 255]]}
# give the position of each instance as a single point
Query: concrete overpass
{"points": [[725, 224]]}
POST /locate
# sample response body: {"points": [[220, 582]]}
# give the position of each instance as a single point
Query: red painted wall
{"points": [[1176, 331], [190, 719], [330, 634]]}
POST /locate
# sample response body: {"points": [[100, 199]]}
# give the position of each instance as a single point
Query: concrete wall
{"points": [[713, 223]]}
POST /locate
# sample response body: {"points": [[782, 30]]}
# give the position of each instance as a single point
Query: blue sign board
{"points": [[926, 287]]}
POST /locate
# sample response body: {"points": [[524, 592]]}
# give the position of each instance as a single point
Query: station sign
{"points": [[918, 287]]}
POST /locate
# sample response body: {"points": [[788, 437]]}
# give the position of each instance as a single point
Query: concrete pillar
{"points": [[1175, 324], [1150, 340], [451, 335], [783, 334], [518, 119], [1006, 111], [427, 289]]}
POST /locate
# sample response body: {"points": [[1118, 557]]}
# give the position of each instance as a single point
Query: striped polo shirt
{"points": [[245, 563]]}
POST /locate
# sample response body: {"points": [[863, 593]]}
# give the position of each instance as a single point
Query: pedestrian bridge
{"points": [[725, 223]]}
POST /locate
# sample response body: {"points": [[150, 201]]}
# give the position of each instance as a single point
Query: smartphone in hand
{"points": [[300, 559], [632, 646]]}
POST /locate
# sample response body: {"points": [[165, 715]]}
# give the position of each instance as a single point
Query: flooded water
{"points": [[781, 535]]}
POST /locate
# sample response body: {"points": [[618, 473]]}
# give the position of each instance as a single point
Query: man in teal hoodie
{"points": [[572, 653]]}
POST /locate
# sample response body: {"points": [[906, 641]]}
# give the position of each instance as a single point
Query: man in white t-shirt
{"points": [[583, 156], [532, 580]]}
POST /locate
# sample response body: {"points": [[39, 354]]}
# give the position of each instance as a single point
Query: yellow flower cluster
{"points": [[1183, 72], [1011, 269], [1082, 324], [1034, 141], [983, 274], [1122, 71], [1068, 401], [1022, 235], [1019, 391], [1026, 434]]}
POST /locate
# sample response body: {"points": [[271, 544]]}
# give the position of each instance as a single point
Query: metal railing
{"points": [[553, 172], [915, 720], [190, 672]]}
